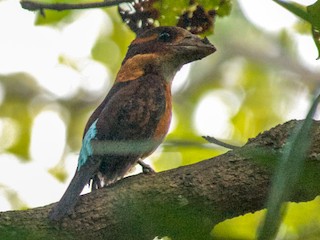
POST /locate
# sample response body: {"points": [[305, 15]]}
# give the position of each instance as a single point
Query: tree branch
{"points": [[33, 5], [184, 203]]}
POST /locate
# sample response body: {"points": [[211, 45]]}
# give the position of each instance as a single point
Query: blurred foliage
{"points": [[53, 17], [16, 129], [301, 221], [13, 197], [262, 71], [310, 14]]}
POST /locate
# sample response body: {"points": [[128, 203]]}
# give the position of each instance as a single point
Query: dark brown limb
{"points": [[33, 6], [183, 203]]}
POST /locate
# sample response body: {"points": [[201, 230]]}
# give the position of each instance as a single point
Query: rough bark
{"points": [[184, 203]]}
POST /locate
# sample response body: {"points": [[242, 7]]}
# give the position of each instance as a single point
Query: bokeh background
{"points": [[55, 70]]}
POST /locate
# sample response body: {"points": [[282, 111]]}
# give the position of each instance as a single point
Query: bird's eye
{"points": [[165, 37]]}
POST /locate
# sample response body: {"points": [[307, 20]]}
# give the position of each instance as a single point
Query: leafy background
{"points": [[257, 79]]}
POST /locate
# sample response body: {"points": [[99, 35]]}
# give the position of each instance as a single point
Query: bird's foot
{"points": [[146, 168]]}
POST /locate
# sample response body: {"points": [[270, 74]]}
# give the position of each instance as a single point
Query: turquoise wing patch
{"points": [[86, 149]]}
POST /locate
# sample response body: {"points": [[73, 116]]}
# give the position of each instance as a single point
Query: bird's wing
{"points": [[86, 149], [134, 111]]}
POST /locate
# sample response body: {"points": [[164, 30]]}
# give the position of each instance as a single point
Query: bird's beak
{"points": [[194, 48]]}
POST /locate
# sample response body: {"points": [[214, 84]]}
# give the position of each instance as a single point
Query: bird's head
{"points": [[164, 50]]}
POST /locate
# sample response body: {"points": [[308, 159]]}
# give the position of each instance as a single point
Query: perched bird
{"points": [[134, 117]]}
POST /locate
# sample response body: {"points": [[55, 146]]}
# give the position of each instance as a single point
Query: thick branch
{"points": [[33, 5], [184, 203]]}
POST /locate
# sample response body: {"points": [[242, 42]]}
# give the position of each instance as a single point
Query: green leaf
{"points": [[294, 8], [287, 174], [314, 14], [314, 11], [224, 8], [169, 10], [316, 39]]}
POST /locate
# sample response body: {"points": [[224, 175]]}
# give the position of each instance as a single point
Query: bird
{"points": [[134, 117]]}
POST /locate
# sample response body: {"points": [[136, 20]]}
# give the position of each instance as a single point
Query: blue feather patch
{"points": [[86, 149]]}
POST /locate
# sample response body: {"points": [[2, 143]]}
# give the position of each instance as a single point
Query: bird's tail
{"points": [[71, 195]]}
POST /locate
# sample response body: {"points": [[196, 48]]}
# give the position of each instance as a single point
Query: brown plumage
{"points": [[135, 116]]}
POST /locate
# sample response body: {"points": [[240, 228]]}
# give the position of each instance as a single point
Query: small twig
{"points": [[220, 143], [31, 5], [146, 168]]}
